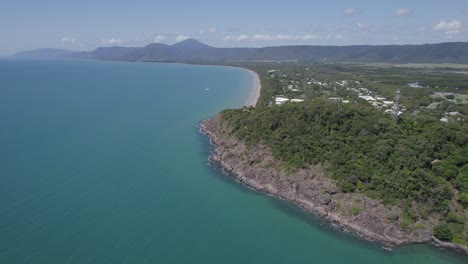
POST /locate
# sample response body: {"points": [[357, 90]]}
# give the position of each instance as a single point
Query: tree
{"points": [[463, 199], [443, 232], [445, 169], [454, 218]]}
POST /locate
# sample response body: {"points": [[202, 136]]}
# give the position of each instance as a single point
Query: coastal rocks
{"points": [[311, 189], [452, 246]]}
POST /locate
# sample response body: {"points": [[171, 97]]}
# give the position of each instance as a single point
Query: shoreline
{"points": [[316, 196], [318, 199], [255, 91]]}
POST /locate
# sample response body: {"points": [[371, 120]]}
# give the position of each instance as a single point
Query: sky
{"points": [[88, 24]]}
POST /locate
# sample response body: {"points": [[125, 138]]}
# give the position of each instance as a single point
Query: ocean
{"points": [[102, 162]]}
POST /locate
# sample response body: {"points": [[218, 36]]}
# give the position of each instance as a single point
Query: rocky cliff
{"points": [[312, 189]]}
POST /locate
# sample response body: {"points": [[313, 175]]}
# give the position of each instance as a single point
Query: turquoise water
{"points": [[101, 162]]}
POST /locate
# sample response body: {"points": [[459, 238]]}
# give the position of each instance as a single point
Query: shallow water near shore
{"points": [[102, 162]]}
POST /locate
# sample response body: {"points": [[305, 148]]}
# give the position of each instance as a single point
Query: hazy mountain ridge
{"points": [[193, 50], [44, 54]]}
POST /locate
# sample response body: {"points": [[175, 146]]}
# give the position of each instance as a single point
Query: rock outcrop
{"points": [[312, 189]]}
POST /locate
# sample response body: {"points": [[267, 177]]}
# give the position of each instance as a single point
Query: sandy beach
{"points": [[255, 93]]}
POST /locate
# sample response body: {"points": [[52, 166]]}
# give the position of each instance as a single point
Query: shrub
{"points": [[356, 210], [463, 199], [393, 217], [443, 232], [454, 218]]}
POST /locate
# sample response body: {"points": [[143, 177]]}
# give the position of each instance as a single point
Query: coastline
{"points": [[309, 189], [313, 191], [255, 91], [318, 199]]}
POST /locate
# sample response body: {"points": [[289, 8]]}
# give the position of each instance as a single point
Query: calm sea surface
{"points": [[101, 162]]}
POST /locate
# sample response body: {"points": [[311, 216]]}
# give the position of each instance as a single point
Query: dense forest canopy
{"points": [[416, 161]]}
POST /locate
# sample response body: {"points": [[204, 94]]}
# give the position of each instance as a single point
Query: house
{"points": [[367, 97], [280, 100], [297, 100], [454, 113]]}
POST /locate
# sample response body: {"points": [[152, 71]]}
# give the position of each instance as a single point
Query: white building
{"points": [[297, 100], [280, 100]]}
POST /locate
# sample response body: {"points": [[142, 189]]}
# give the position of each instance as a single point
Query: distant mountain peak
{"points": [[156, 45], [191, 43]]}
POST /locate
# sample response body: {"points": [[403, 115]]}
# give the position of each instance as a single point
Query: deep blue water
{"points": [[101, 162]]}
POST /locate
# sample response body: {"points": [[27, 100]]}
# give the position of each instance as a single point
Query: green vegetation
{"points": [[463, 199], [416, 162], [393, 217], [355, 210], [443, 232], [454, 218], [413, 159], [191, 50]]}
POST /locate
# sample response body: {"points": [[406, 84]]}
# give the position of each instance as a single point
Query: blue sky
{"points": [[85, 24]]}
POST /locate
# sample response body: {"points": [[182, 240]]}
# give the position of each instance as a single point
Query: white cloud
{"points": [[68, 41], [111, 42], [159, 38], [237, 38], [450, 28], [403, 12], [453, 32], [349, 11], [115, 41], [208, 30], [279, 37], [181, 38], [261, 37], [448, 25], [243, 37], [310, 37]]}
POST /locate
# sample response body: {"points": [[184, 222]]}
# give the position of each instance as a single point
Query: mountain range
{"points": [[191, 50], [44, 54]]}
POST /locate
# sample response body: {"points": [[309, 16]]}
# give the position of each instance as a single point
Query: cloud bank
{"points": [[68, 41], [449, 27], [181, 38], [279, 37], [111, 42], [159, 38]]}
